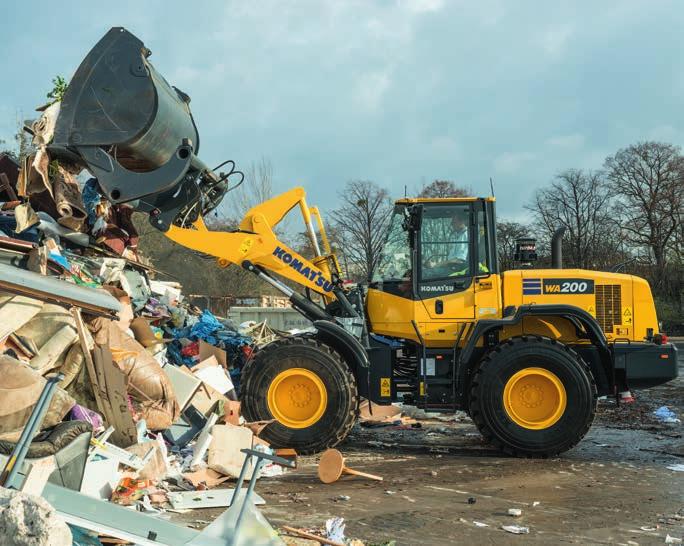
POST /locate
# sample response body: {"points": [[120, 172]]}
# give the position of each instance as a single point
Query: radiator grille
{"points": [[608, 306]]}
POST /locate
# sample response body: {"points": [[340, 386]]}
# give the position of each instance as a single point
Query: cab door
{"points": [[445, 261]]}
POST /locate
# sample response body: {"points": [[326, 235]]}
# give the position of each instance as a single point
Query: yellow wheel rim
{"points": [[534, 398], [297, 398]]}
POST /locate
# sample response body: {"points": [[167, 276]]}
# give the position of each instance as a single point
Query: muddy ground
{"points": [[613, 488]]}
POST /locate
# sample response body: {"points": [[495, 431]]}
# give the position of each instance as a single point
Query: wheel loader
{"points": [[526, 352]]}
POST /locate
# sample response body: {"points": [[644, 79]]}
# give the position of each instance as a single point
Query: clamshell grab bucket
{"points": [[134, 131]]}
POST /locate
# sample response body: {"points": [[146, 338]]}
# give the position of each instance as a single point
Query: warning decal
{"points": [[627, 317], [385, 386]]}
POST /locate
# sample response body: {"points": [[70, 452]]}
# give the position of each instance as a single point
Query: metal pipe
{"points": [[557, 248], [248, 494], [16, 459]]}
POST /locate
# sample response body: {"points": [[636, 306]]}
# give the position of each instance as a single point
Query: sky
{"points": [[395, 91]]}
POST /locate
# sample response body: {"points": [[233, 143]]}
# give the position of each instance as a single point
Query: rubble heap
{"points": [[152, 387]]}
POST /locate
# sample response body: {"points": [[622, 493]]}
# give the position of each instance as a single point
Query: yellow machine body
{"points": [[622, 305]]}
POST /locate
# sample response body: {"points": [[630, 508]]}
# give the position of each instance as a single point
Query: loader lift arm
{"points": [[256, 247]]}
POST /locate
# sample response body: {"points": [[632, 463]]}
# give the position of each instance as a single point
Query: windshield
{"points": [[395, 260]]}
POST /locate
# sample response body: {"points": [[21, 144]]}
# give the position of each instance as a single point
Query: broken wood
{"points": [[90, 366], [310, 536], [109, 387], [331, 467], [112, 381]]}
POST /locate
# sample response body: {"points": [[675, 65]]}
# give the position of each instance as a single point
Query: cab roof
{"points": [[412, 200]]}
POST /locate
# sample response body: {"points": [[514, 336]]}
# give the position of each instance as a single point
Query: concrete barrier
{"points": [[276, 317]]}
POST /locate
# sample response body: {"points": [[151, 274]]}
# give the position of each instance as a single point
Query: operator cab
{"points": [[437, 247]]}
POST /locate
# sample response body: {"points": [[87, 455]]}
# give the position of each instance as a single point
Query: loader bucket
{"points": [[133, 130]]}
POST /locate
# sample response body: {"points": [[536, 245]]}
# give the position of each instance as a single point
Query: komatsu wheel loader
{"points": [[525, 352]]}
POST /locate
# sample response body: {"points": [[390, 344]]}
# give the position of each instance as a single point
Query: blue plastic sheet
{"points": [[210, 329], [83, 537], [205, 326]]}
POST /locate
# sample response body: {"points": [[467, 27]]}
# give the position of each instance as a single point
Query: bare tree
{"points": [[444, 188], [507, 233], [648, 179], [361, 224], [580, 201]]}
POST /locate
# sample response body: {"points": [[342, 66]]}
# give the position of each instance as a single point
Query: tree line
{"points": [[625, 217]]}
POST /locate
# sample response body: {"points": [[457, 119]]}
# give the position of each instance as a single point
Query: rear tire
{"points": [[277, 373], [533, 396]]}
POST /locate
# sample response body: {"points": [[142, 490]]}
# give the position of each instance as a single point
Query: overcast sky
{"points": [[398, 92]]}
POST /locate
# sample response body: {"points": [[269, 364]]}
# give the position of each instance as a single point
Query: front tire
{"points": [[533, 396], [307, 387]]}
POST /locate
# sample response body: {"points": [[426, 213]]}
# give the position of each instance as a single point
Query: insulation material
{"points": [[20, 387], [153, 394], [29, 520]]}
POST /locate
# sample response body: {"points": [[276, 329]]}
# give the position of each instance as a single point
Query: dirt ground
{"points": [[439, 480]]}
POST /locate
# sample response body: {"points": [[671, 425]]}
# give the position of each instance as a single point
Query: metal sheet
{"points": [[115, 520], [211, 498], [41, 287]]}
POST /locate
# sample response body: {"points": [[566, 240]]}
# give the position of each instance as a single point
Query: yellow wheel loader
{"points": [[525, 352]]}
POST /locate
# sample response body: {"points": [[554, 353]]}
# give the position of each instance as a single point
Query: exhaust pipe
{"points": [[557, 248]]}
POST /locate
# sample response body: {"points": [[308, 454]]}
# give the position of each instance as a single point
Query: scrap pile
{"points": [[149, 389]]}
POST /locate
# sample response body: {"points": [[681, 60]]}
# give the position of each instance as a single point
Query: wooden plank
{"points": [[90, 366], [125, 433]]}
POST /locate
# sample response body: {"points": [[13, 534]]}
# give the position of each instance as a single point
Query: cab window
{"points": [[395, 259], [444, 242]]}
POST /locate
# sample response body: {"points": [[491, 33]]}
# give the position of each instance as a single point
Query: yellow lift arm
{"points": [[255, 243]]}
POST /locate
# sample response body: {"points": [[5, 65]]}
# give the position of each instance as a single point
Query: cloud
{"points": [[394, 91], [665, 133], [566, 142], [555, 39], [511, 162], [371, 88], [421, 6]]}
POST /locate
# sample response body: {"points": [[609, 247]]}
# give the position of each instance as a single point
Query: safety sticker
{"points": [[246, 245], [385, 386], [627, 317], [592, 310]]}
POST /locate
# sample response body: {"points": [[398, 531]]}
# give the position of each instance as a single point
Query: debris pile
{"points": [[145, 412]]}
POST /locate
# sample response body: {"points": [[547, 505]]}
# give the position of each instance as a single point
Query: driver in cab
{"points": [[451, 260]]}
